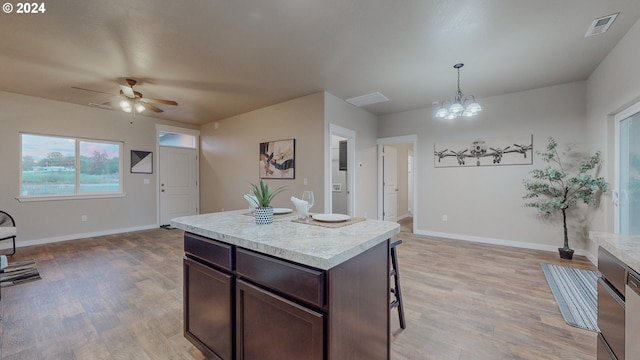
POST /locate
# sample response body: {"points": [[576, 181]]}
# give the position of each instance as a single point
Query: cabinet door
{"points": [[270, 327], [208, 312]]}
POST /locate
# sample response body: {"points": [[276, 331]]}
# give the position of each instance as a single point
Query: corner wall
{"points": [[485, 203], [48, 221], [348, 116], [611, 88], [230, 153]]}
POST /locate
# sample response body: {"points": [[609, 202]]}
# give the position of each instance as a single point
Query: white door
{"points": [[390, 182], [178, 183]]}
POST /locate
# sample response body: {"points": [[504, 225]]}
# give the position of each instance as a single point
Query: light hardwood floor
{"points": [[120, 297]]}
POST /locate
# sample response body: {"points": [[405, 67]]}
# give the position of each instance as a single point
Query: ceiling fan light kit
{"points": [[132, 101], [461, 105]]}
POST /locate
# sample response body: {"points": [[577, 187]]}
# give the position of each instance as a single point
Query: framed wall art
{"points": [[141, 162], [506, 150], [278, 159]]}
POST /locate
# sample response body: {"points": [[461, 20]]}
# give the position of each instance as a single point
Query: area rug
{"points": [[575, 291], [19, 272]]}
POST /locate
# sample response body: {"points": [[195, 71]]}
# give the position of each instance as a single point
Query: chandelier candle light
{"points": [[461, 105]]}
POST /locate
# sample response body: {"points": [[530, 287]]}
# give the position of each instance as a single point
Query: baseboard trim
{"points": [[402, 217], [55, 239], [511, 243]]}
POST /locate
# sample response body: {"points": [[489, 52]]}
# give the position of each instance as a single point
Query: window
{"points": [[55, 166], [166, 138], [628, 173]]}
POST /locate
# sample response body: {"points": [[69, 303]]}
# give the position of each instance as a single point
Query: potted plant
{"points": [[561, 185], [263, 196]]}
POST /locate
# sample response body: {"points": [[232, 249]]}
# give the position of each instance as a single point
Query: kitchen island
{"points": [[286, 290]]}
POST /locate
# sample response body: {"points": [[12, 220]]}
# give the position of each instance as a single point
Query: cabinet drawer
{"points": [[209, 250], [294, 280]]}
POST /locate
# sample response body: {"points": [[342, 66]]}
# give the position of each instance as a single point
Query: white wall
{"points": [[45, 221], [485, 203], [343, 114], [612, 87]]}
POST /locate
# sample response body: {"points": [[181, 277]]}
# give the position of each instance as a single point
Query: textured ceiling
{"points": [[219, 58]]}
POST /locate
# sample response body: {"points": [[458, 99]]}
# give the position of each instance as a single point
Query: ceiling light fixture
{"points": [[461, 105], [130, 105]]}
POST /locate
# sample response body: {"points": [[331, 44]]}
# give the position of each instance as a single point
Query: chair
{"points": [[8, 229], [395, 290]]}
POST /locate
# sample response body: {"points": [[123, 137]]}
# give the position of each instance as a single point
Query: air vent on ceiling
{"points": [[368, 99], [600, 25]]}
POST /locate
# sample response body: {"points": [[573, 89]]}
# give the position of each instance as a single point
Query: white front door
{"points": [[390, 184], [178, 183]]}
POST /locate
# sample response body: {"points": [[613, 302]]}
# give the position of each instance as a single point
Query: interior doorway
{"points": [[339, 172], [397, 175], [340, 180]]}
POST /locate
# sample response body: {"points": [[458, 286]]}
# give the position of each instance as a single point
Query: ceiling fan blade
{"points": [[151, 107], [127, 91], [95, 91], [159, 101]]}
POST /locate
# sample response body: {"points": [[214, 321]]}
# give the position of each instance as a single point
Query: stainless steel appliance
{"points": [[611, 307], [632, 323]]}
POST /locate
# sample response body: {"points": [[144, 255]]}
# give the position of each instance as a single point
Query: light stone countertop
{"points": [[624, 247], [311, 245]]}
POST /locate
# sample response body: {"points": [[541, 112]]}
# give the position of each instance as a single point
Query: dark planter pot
{"points": [[565, 253]]}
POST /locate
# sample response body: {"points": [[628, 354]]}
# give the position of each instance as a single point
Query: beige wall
{"points": [[46, 221], [229, 154], [485, 203], [612, 87]]}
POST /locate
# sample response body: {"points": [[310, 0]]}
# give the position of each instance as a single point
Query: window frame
{"points": [[618, 118], [77, 193]]}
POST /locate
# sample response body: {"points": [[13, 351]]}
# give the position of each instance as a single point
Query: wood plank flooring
{"points": [[120, 297]]}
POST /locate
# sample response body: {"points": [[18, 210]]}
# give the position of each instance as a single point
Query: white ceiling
{"points": [[219, 58]]}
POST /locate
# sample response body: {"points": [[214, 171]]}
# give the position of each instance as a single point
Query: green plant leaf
{"points": [[555, 189], [264, 194]]}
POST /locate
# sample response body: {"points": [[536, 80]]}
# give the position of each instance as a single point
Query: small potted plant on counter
{"points": [[263, 197], [558, 188]]}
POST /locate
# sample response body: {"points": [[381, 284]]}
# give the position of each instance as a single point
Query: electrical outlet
{"points": [[83, 218], [445, 217]]}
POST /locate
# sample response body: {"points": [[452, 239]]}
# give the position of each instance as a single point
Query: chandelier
{"points": [[461, 106]]}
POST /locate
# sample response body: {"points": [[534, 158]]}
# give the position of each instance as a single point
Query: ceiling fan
{"points": [[132, 101]]}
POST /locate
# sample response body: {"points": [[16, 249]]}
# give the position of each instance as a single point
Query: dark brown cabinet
{"points": [[208, 309], [244, 305], [270, 327]]}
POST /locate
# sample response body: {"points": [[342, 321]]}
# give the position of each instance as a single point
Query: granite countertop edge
{"points": [[318, 247], [624, 247]]}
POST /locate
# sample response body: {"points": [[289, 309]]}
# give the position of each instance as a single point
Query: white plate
{"points": [[331, 217], [280, 211]]}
